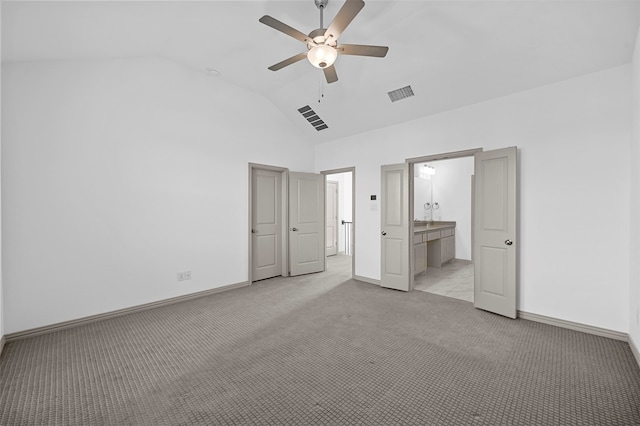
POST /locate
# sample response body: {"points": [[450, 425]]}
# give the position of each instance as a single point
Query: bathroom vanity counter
{"points": [[434, 244], [435, 226]]}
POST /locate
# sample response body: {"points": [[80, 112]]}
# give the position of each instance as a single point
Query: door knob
{"points": [[384, 233], [294, 229], [253, 231], [508, 242]]}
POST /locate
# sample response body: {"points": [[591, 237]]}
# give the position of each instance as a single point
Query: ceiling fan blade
{"points": [[349, 11], [284, 28], [289, 61], [362, 50], [330, 74]]}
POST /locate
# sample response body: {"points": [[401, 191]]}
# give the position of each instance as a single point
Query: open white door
{"points": [[306, 223], [495, 242], [395, 227]]}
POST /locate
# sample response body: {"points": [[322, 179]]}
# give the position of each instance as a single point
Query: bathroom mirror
{"points": [[424, 204]]}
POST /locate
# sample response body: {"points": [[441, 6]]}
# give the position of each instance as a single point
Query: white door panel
{"points": [[266, 250], [308, 248], [495, 227], [395, 227], [306, 223], [266, 224], [393, 259]]}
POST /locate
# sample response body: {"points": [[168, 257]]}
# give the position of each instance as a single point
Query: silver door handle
{"points": [[508, 242], [384, 233], [294, 229]]}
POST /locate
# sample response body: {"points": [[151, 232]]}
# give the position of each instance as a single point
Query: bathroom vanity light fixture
{"points": [[426, 172]]}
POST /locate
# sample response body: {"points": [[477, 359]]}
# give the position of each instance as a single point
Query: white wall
{"points": [[573, 140], [1, 284], [118, 174], [634, 252]]}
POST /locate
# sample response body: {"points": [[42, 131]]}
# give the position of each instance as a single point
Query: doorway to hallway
{"points": [[340, 219]]}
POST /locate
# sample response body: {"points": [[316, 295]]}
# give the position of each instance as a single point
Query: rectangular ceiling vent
{"points": [[312, 118], [399, 94]]}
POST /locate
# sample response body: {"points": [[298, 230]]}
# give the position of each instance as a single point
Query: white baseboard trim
{"points": [[366, 280], [634, 349], [2, 341], [589, 329], [120, 312]]}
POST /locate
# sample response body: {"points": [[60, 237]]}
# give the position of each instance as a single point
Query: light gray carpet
{"points": [[318, 350]]}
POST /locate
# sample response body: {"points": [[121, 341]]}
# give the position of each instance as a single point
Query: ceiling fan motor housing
{"points": [[318, 36]]}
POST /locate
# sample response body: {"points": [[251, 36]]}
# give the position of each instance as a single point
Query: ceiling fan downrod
{"points": [[321, 4]]}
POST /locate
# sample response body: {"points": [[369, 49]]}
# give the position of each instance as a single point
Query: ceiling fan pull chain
{"points": [[321, 90]]}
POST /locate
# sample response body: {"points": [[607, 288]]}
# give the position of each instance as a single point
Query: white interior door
{"points": [[332, 218], [306, 223], [395, 227], [266, 227], [495, 242]]}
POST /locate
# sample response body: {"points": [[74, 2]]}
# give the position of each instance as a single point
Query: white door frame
{"points": [[285, 216], [353, 209], [412, 162]]}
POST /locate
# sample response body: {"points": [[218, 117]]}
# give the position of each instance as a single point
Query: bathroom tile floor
{"points": [[453, 279]]}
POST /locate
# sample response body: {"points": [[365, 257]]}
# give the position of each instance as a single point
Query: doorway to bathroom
{"points": [[441, 189], [494, 229], [442, 217]]}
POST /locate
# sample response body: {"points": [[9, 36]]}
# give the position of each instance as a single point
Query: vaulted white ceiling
{"points": [[452, 53]]}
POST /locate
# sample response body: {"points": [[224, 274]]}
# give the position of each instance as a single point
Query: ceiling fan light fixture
{"points": [[322, 56]]}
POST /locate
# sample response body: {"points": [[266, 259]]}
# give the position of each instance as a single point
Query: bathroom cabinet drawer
{"points": [[418, 238], [433, 235], [447, 232]]}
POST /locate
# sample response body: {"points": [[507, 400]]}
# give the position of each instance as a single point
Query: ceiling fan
{"points": [[322, 44]]}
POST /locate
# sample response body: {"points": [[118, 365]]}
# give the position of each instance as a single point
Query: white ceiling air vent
{"points": [[399, 94], [312, 118]]}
